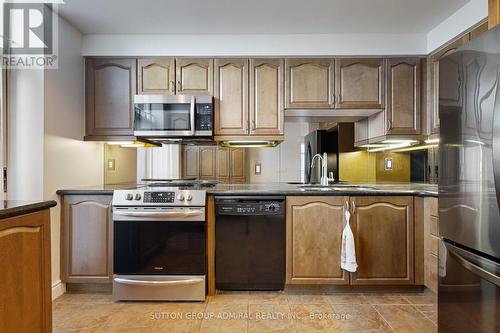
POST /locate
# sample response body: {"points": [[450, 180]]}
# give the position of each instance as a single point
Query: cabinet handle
{"points": [[389, 125], [172, 86], [179, 86]]}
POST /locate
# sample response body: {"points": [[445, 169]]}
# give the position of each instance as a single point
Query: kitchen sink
{"points": [[336, 187]]}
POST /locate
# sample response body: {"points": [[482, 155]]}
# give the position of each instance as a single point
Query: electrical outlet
{"points": [[388, 164], [111, 164], [258, 169]]}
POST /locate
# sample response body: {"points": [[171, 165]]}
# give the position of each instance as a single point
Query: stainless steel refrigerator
{"points": [[469, 187]]}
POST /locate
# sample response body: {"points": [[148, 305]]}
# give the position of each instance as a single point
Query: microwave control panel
{"points": [[204, 116]]}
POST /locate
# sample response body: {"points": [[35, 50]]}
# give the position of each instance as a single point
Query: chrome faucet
{"points": [[324, 167]]}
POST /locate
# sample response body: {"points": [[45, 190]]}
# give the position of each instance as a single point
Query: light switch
{"points": [[111, 164], [388, 163], [257, 169]]}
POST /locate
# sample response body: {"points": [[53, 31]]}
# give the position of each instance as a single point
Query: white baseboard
{"points": [[58, 288]]}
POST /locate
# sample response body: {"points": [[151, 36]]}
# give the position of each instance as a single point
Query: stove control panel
{"points": [[164, 197], [159, 197]]}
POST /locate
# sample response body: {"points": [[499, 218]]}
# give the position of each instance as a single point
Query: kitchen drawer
{"points": [[434, 229], [433, 245], [431, 272], [434, 207]]}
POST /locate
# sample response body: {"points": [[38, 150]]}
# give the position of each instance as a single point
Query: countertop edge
{"points": [[285, 193], [26, 209], [84, 192]]}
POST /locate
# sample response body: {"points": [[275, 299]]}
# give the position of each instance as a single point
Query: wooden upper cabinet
{"points": [[453, 70], [237, 165], [478, 30], [359, 83], [266, 96], [194, 76], [309, 83], [403, 96], [110, 85], [191, 161], [383, 235], [314, 240], [208, 164], [223, 162], [87, 239], [493, 13], [156, 76], [231, 96]]}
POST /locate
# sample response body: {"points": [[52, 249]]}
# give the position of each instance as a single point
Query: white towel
{"points": [[348, 255]]}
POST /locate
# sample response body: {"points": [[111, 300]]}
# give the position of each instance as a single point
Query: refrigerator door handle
{"points": [[473, 267]]}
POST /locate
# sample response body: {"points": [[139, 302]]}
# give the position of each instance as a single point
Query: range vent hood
{"points": [[328, 115], [249, 143]]}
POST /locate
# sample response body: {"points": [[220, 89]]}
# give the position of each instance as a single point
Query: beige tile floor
{"points": [[250, 312]]}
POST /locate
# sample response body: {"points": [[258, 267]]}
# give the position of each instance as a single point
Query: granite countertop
{"points": [[11, 208], [103, 189], [415, 189]]}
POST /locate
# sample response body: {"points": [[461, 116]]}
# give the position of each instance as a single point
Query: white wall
{"points": [[254, 45], [67, 160], [281, 163], [466, 17], [25, 134]]}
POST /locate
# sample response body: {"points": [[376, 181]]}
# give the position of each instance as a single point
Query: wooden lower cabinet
{"points": [[25, 278], [384, 240], [431, 243], [314, 230], [383, 229], [86, 242]]}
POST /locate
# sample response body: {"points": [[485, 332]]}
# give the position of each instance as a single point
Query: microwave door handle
{"points": [[192, 114]]}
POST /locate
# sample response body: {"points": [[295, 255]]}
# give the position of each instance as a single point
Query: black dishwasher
{"points": [[250, 243]]}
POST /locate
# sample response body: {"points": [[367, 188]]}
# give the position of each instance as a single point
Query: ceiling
{"points": [[257, 16]]}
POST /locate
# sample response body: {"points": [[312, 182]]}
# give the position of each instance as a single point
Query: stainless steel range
{"points": [[159, 246]]}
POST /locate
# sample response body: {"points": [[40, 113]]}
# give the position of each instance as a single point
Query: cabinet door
{"points": [[191, 161], [403, 96], [359, 83], [156, 76], [453, 70], [314, 240], [266, 96], [223, 161], [110, 87], [237, 167], [25, 278], [231, 96], [87, 239], [194, 76], [208, 155], [383, 236], [309, 83]]}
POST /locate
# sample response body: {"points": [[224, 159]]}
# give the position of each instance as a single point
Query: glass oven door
{"points": [[164, 115], [170, 242]]}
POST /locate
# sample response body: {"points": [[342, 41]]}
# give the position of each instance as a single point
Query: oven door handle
{"points": [[158, 283], [181, 213]]}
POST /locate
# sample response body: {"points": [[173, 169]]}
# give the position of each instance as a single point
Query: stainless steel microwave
{"points": [[173, 116]]}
